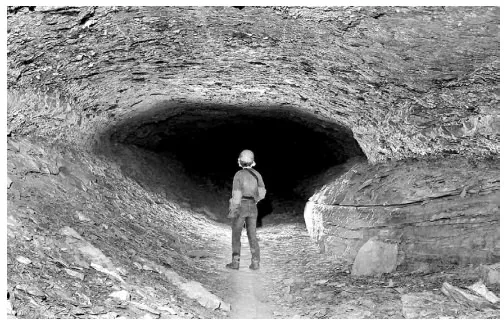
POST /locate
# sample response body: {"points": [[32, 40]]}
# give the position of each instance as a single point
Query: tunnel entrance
{"points": [[290, 146]]}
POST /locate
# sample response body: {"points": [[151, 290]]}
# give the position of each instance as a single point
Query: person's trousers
{"points": [[247, 213]]}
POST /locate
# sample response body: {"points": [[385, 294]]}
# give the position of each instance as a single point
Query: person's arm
{"points": [[260, 187], [236, 197]]}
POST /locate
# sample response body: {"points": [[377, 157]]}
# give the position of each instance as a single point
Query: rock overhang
{"points": [[407, 82]]}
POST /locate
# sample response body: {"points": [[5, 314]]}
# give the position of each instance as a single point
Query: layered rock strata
{"points": [[444, 209], [406, 82]]}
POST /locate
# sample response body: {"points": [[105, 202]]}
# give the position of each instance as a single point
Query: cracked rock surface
{"points": [[407, 81], [387, 117]]}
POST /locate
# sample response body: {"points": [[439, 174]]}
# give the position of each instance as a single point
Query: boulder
{"points": [[490, 273], [374, 258]]}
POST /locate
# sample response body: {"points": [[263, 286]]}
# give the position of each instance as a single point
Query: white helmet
{"points": [[246, 159]]}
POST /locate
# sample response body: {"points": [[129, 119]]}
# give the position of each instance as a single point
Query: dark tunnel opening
{"points": [[290, 146]]}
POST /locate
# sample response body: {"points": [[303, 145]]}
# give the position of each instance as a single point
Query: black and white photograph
{"points": [[274, 160]]}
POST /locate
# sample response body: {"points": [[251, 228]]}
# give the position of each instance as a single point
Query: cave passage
{"points": [[291, 147]]}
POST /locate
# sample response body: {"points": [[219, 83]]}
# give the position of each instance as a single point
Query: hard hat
{"points": [[246, 156]]}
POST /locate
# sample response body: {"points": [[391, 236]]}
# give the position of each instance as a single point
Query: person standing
{"points": [[248, 190]]}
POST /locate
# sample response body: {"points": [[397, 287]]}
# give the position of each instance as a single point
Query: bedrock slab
{"points": [[446, 209]]}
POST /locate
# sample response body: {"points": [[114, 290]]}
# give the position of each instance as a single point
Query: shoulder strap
{"points": [[253, 174]]}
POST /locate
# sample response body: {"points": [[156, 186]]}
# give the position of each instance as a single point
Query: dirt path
{"points": [[255, 294], [245, 288], [248, 299]]}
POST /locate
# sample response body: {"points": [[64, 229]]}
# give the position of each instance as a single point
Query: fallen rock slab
{"points": [[98, 260], [465, 298], [196, 291], [375, 257], [191, 289], [112, 274], [480, 288], [75, 274]]}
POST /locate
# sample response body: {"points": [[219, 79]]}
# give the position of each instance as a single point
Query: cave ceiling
{"points": [[404, 81]]}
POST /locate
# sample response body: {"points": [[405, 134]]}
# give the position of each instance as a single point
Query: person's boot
{"points": [[235, 263], [254, 265]]}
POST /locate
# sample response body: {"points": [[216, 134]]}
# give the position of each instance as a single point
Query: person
{"points": [[248, 190]]}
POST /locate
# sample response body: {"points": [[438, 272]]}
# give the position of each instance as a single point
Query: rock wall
{"points": [[407, 81], [443, 209], [76, 217]]}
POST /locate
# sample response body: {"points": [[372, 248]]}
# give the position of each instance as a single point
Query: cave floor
{"points": [[296, 281], [135, 233]]}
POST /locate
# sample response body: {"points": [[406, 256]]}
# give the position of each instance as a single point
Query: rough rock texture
{"points": [[406, 81], [445, 209], [427, 305], [409, 82], [69, 210], [137, 223]]}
